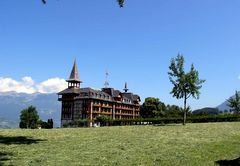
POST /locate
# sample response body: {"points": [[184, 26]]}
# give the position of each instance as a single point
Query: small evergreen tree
{"points": [[29, 118]]}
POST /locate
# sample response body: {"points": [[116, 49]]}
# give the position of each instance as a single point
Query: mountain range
{"points": [[11, 104]]}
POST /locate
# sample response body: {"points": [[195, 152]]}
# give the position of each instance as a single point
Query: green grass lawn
{"points": [[193, 144]]}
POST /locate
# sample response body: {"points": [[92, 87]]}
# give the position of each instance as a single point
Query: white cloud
{"points": [[28, 81], [27, 85], [52, 85]]}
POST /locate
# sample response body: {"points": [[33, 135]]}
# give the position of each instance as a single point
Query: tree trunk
{"points": [[185, 110]]}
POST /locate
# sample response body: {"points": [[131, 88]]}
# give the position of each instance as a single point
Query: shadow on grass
{"points": [[235, 162], [4, 157], [19, 140]]}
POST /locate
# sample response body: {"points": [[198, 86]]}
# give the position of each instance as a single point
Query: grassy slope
{"points": [[194, 144]]}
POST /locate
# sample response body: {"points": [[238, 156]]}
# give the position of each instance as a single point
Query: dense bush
{"points": [[155, 121], [46, 125], [176, 120], [77, 123], [103, 120]]}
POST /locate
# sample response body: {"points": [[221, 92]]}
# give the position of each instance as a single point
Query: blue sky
{"points": [[134, 43]]}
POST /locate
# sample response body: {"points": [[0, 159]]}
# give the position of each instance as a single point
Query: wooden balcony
{"points": [[96, 112], [125, 108], [106, 106], [106, 113], [102, 113], [127, 115], [97, 105]]}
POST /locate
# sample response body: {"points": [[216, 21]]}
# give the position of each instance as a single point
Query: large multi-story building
{"points": [[88, 103]]}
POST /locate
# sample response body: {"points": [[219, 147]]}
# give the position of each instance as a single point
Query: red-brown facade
{"points": [[88, 103]]}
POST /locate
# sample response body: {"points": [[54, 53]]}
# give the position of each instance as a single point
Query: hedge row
{"points": [[155, 121], [195, 119]]}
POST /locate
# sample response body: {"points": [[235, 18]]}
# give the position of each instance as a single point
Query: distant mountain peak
{"points": [[224, 106], [47, 104]]}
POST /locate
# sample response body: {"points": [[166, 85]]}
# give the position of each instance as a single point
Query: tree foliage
{"points": [[185, 85], [103, 119], [29, 118], [234, 102], [152, 107], [173, 111], [46, 125], [120, 2]]}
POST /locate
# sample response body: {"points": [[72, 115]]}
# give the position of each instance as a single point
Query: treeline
{"points": [[154, 108]]}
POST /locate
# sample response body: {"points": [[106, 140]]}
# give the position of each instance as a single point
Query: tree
{"points": [[120, 2], [234, 103], [152, 108], [172, 111], [29, 118], [185, 85]]}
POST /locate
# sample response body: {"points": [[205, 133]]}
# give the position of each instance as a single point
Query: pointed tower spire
{"points": [[126, 87], [74, 74], [74, 80]]}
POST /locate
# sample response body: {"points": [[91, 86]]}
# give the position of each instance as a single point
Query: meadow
{"points": [[193, 144]]}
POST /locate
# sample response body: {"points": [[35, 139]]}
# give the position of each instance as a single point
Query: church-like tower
{"points": [[74, 80], [67, 96]]}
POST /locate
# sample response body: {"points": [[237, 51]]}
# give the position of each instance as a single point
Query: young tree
{"points": [[29, 118], [234, 102], [185, 84]]}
